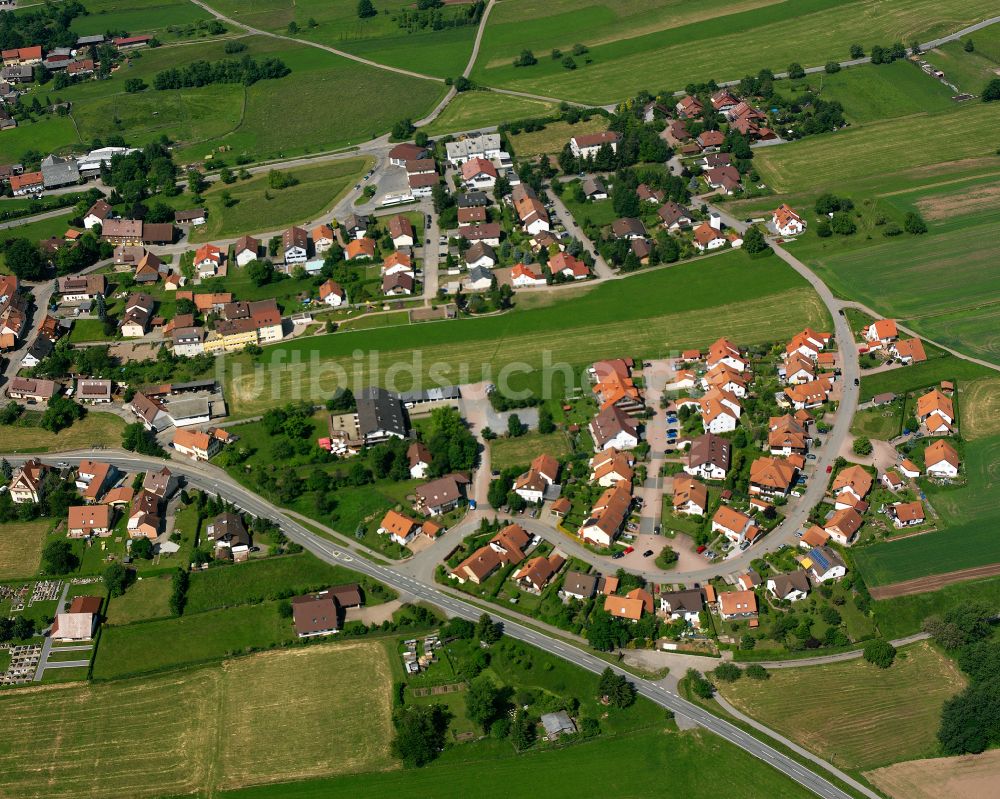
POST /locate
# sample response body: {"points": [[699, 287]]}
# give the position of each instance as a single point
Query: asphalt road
{"points": [[214, 481]]}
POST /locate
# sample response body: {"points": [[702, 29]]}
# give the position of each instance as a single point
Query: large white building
{"points": [[486, 145]]}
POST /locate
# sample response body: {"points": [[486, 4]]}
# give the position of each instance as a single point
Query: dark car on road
{"points": [[647, 553]]}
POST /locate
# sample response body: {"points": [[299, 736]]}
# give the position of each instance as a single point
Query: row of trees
{"points": [[970, 722], [245, 70], [46, 24]]}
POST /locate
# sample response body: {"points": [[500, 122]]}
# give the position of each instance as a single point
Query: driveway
{"points": [[601, 267], [655, 377]]}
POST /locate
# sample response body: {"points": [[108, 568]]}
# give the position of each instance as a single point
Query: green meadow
{"points": [[870, 93], [379, 38], [136, 16], [886, 154], [260, 208], [471, 110], [306, 111], [672, 45], [670, 764], [651, 313]]}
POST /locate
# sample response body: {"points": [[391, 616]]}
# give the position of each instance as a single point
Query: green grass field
{"points": [[508, 452], [963, 218], [669, 761], [200, 120], [378, 38], [876, 155], [146, 599], [881, 716], [260, 208], [94, 430], [904, 615], [667, 309], [138, 17], [208, 722], [266, 579], [471, 110], [968, 539], [633, 46], [882, 422], [922, 375], [554, 136], [969, 71], [873, 92], [21, 547], [168, 643]]}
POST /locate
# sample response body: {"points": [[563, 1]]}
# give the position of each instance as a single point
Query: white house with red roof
{"points": [[207, 260], [478, 173], [564, 264], [707, 237], [787, 222], [522, 276], [331, 293], [590, 144], [880, 333]]}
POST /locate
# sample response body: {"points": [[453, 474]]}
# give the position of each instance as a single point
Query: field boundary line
{"points": [[932, 582]]}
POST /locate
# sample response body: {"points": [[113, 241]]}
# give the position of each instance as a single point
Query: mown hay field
{"points": [[317, 711], [876, 151], [21, 547], [853, 713]]}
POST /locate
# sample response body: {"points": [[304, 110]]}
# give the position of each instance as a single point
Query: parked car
{"points": [[629, 550], [617, 555], [701, 548], [647, 553], [811, 457], [857, 382], [829, 469]]}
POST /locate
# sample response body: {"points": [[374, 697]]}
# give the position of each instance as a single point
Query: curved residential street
{"points": [[214, 481], [415, 577]]}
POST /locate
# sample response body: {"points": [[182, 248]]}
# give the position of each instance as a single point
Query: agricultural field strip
{"points": [[463, 362], [685, 52], [206, 723], [886, 715]]}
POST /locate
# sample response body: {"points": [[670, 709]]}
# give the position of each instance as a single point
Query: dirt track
{"points": [[923, 584]]}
